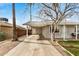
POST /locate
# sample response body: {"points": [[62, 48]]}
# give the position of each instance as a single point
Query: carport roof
{"points": [[38, 23]]}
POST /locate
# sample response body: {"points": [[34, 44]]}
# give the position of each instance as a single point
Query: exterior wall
{"points": [[78, 29], [36, 30], [69, 29], [20, 32], [60, 33], [46, 32], [33, 31], [39, 30], [8, 31]]}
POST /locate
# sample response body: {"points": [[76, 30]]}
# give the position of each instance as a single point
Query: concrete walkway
{"points": [[33, 47]]}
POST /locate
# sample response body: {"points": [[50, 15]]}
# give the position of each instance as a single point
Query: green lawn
{"points": [[72, 46]]}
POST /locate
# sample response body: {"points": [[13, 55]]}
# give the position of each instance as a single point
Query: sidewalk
{"points": [[33, 47]]}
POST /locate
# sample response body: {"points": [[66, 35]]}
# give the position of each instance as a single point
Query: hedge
{"points": [[2, 36]]}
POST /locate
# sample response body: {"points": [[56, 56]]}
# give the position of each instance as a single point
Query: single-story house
{"points": [[65, 29], [7, 28]]}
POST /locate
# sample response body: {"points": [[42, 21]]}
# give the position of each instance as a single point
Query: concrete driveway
{"points": [[33, 47]]}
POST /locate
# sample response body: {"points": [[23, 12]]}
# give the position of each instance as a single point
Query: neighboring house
{"points": [[64, 29], [7, 28]]}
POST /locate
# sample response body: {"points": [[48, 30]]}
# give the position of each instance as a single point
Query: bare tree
{"points": [[58, 12], [14, 23]]}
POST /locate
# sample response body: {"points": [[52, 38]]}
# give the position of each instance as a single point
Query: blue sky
{"points": [[21, 16]]}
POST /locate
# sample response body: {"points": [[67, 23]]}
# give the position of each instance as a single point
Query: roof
{"points": [[69, 23], [48, 22], [6, 24], [38, 23]]}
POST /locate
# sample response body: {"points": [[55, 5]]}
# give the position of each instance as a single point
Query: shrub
{"points": [[2, 36]]}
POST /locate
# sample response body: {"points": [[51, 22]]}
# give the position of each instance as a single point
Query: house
{"points": [[65, 30], [7, 28]]}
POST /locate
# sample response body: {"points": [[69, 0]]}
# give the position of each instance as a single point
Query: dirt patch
{"points": [[6, 46]]}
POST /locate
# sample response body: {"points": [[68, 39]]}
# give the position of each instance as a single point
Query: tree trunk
{"points": [[54, 33], [53, 36], [14, 23]]}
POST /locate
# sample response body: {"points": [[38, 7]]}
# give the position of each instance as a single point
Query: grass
{"points": [[72, 46]]}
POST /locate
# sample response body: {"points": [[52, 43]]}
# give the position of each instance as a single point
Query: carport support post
{"points": [[64, 38], [76, 32], [51, 33], [64, 32], [27, 31]]}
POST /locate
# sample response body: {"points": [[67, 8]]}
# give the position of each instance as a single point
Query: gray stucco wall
{"points": [[68, 30], [36, 31], [46, 31]]}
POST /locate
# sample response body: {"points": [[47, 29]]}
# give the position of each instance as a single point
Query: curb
{"points": [[65, 49]]}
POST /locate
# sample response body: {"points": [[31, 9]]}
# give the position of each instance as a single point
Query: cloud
{"points": [[68, 19], [10, 21]]}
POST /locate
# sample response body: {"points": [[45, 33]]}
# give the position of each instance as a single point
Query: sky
{"points": [[22, 12]]}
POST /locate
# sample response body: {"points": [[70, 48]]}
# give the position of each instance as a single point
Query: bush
{"points": [[2, 36]]}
